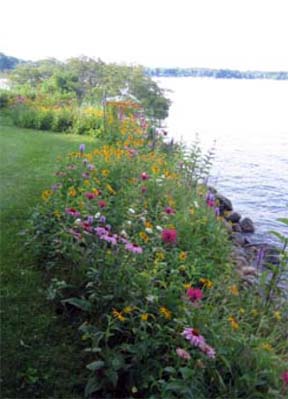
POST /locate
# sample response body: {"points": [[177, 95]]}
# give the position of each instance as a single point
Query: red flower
{"points": [[284, 377], [169, 236], [102, 204], [194, 294], [145, 176], [90, 196]]}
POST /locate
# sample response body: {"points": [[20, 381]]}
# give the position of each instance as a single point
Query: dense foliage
{"points": [[140, 263]]}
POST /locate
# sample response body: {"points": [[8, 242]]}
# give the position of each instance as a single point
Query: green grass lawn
{"points": [[39, 357]]}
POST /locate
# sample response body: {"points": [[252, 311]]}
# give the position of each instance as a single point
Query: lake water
{"points": [[248, 119]]}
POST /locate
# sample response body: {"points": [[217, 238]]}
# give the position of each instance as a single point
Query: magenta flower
{"points": [[133, 248], [143, 189], [90, 195], [192, 335], [284, 377], [169, 210], [145, 176], [102, 203], [183, 354], [169, 236], [109, 238], [72, 212], [100, 231], [194, 294]]}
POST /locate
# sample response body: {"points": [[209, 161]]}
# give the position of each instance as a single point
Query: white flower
{"points": [[131, 211], [196, 204], [149, 230], [143, 219], [97, 215], [77, 221], [159, 228], [123, 233], [129, 222], [151, 298]]}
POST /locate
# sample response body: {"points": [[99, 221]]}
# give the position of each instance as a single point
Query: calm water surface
{"points": [[248, 119]]}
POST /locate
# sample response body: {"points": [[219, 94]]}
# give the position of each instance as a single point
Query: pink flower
{"points": [[100, 231], [72, 212], [169, 236], [102, 204], [145, 176], [90, 196], [194, 294], [133, 248], [109, 238], [183, 354], [208, 350], [143, 189], [169, 211], [284, 377], [192, 335]]}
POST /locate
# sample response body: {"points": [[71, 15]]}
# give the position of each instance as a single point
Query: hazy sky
{"points": [[243, 34]]}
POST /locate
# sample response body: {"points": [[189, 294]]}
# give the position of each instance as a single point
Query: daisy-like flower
{"points": [[102, 203], [135, 249], [183, 354], [234, 290], [100, 231], [233, 322], [206, 282], [183, 255], [208, 350], [194, 294], [118, 315], [144, 316], [169, 236], [192, 335], [165, 312], [109, 238], [72, 212], [90, 195]]}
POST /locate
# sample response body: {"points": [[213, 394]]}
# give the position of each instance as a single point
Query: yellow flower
{"points": [[267, 347], [72, 192], [234, 290], [144, 236], [242, 311], [57, 213], [105, 172], [86, 183], [95, 191], [148, 225], [110, 189], [118, 315], [187, 285], [182, 268], [206, 282], [277, 315], [159, 256], [46, 195], [233, 322], [254, 312], [165, 312], [81, 204], [144, 316], [128, 309], [155, 169], [183, 255]]}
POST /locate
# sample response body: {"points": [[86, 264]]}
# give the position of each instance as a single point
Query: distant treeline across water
{"points": [[215, 73]]}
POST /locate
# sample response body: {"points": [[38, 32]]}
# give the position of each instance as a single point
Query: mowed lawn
{"points": [[39, 359]]}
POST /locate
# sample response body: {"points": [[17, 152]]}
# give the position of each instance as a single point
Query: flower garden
{"points": [[137, 258]]}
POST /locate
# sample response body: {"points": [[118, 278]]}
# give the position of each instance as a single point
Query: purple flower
{"points": [[217, 211], [102, 219], [208, 350], [72, 167], [109, 238], [82, 148], [183, 354], [90, 166], [90, 219], [260, 257], [86, 175], [55, 187], [100, 231], [133, 248]]}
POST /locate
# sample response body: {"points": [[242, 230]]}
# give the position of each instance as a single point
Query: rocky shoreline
{"points": [[250, 258]]}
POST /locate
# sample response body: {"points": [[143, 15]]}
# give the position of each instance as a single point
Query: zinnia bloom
{"points": [[169, 236], [183, 354], [194, 294]]}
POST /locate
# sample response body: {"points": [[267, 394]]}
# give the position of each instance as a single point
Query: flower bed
{"points": [[141, 264]]}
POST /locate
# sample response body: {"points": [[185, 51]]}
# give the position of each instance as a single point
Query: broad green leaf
{"points": [[82, 304], [98, 364]]}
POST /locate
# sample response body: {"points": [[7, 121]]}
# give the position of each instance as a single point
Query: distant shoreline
{"points": [[214, 73]]}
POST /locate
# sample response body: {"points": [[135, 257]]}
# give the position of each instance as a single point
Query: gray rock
{"points": [[233, 217], [238, 239], [227, 225], [247, 225], [224, 203], [236, 227], [249, 270]]}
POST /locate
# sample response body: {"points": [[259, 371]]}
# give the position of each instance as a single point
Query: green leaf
{"points": [[82, 304], [92, 386], [97, 365], [283, 220], [170, 370]]}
